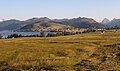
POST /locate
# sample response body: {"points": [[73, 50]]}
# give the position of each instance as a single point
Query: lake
{"points": [[6, 34]]}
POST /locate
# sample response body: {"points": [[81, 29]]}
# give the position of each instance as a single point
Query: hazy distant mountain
{"points": [[36, 20], [37, 24], [16, 24], [10, 25], [114, 22], [60, 20], [80, 22], [105, 21]]}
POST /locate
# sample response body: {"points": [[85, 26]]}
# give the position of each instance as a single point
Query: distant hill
{"points": [[34, 24], [36, 20], [80, 22], [10, 25], [105, 21], [114, 22], [44, 26], [16, 24]]}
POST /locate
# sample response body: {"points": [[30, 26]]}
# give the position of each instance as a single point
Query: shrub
{"points": [[90, 30], [59, 34], [42, 68], [50, 35], [3, 63], [42, 34], [54, 34], [67, 33], [11, 69], [25, 67], [61, 53]]}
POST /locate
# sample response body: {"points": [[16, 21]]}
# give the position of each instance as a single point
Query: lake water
{"points": [[6, 34]]}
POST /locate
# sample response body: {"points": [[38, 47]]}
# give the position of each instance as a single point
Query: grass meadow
{"points": [[83, 52]]}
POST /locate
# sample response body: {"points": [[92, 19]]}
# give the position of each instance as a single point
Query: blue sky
{"points": [[24, 9]]}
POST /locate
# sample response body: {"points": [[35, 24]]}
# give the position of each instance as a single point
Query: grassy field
{"points": [[83, 52]]}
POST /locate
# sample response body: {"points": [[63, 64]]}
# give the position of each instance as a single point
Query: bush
{"points": [[54, 34], [3, 63], [67, 33], [90, 30], [59, 34], [59, 53], [11, 69], [42, 34], [50, 35], [25, 67], [42, 68]]}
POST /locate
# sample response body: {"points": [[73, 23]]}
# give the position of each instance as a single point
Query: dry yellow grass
{"points": [[59, 52]]}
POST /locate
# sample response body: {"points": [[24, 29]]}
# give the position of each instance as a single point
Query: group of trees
{"points": [[115, 27], [19, 35], [61, 34], [42, 34], [102, 29]]}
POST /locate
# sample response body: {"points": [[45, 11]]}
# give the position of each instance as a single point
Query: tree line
{"points": [[65, 33]]}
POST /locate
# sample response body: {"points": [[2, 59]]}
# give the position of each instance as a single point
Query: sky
{"points": [[25, 9]]}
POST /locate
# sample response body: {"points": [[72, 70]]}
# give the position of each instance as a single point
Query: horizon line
{"points": [[1, 20]]}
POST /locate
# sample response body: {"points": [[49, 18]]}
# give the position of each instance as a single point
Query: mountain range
{"points": [[80, 22], [46, 24], [112, 23]]}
